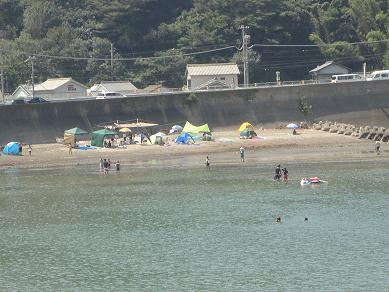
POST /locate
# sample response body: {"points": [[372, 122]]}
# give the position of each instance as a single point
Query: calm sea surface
{"points": [[188, 229]]}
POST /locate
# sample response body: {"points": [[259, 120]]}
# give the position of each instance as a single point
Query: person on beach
{"points": [[101, 164], [377, 146], [285, 173], [241, 151], [29, 149], [277, 175], [117, 165], [207, 162], [109, 163], [70, 149]]}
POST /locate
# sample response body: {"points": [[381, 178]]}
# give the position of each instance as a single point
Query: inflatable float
{"points": [[311, 181]]}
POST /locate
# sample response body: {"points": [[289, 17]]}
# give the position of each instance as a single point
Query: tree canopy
{"points": [[153, 40]]}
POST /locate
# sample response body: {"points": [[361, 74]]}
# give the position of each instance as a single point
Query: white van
{"points": [[379, 75], [104, 95], [345, 78]]}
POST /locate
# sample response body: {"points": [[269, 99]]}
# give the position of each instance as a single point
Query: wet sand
{"points": [[273, 146]]}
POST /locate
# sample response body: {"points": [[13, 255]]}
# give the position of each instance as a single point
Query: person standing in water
{"points": [[29, 149], [285, 172], [207, 162], [117, 165], [377, 146], [241, 151], [277, 175]]}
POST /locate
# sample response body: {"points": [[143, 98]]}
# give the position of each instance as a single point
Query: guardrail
{"points": [[182, 90]]}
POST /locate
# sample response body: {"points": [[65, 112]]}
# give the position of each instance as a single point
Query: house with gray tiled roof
{"points": [[324, 72], [211, 76]]}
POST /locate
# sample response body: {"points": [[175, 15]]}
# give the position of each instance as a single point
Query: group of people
{"points": [[281, 172], [105, 165]]}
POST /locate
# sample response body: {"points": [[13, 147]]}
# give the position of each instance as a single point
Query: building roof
{"points": [[325, 65], [118, 86], [23, 87], [54, 83], [212, 69]]}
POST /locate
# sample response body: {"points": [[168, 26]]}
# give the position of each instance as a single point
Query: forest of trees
{"points": [[153, 40]]}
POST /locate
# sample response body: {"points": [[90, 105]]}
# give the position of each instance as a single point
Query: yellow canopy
{"points": [[244, 126], [189, 128]]}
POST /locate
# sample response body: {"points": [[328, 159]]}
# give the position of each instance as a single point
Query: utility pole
{"points": [[245, 40], [32, 59], [2, 77], [112, 61]]}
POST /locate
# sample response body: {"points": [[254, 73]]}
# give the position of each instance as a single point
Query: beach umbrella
{"points": [[125, 130], [76, 131], [292, 126], [175, 129], [245, 125]]}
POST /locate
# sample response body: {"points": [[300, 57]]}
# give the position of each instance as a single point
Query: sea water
{"points": [[186, 228]]}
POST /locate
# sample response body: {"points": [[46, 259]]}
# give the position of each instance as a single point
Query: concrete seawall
{"points": [[356, 102]]}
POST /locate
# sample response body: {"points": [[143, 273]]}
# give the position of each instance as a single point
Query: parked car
{"points": [[379, 75], [37, 99], [19, 101], [104, 95], [345, 78]]}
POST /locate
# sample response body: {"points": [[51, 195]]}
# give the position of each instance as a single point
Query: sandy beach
{"points": [[272, 146]]}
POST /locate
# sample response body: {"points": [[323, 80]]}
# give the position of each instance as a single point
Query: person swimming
{"points": [[278, 220], [306, 219]]}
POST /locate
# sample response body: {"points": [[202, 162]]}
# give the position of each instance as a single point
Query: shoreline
{"points": [[273, 146]]}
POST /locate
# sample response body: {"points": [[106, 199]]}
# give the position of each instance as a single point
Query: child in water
{"points": [[285, 172]]}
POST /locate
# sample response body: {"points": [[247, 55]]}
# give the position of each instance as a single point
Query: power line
{"points": [[117, 59], [320, 45]]}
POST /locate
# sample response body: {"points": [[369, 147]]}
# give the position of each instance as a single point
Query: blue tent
{"points": [[12, 148], [185, 138]]}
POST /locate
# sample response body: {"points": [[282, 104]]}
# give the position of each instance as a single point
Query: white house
{"points": [[324, 72], [211, 76], [52, 89], [122, 87], [22, 91]]}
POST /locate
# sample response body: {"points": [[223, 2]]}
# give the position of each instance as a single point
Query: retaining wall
{"points": [[359, 102]]}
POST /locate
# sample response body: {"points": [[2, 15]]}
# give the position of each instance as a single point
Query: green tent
{"points": [[247, 134], [76, 131], [99, 136], [189, 128]]}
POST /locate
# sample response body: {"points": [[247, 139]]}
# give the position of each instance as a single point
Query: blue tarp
{"points": [[12, 148], [185, 138]]}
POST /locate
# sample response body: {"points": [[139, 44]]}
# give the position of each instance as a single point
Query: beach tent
{"points": [[189, 128], [158, 138], [247, 134], [70, 135], [175, 129], [12, 148], [245, 125], [99, 136], [185, 138]]}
